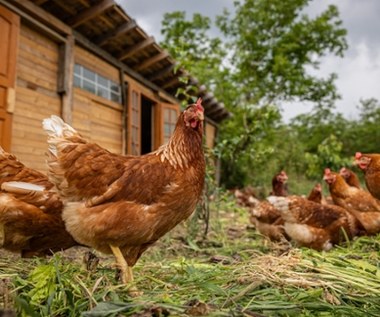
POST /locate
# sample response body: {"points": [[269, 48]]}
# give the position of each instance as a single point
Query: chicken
{"points": [[316, 194], [30, 211], [358, 201], [279, 186], [246, 197], [267, 220], [370, 165], [350, 177], [264, 216], [314, 225], [122, 205]]}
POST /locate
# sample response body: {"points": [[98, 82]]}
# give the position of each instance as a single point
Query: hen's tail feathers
{"points": [[56, 127], [21, 187], [57, 130]]}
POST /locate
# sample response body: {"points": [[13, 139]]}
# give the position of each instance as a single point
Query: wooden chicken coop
{"points": [[90, 63]]}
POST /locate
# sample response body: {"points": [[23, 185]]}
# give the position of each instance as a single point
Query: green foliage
{"points": [[273, 44], [363, 134], [329, 154], [196, 52], [264, 59], [241, 145], [51, 289]]}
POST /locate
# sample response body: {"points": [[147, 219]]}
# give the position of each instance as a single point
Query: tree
{"points": [[196, 51], [314, 127], [263, 61], [363, 135]]}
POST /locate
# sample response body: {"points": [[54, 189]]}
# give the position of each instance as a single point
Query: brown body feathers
{"points": [[127, 201]]}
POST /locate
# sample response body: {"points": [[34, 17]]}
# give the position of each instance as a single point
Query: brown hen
{"points": [[358, 201], [316, 194], [350, 177], [370, 165], [314, 225], [265, 217], [30, 211], [279, 185], [124, 204]]}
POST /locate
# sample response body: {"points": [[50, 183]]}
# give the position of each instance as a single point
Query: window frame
{"points": [[80, 80], [171, 107]]}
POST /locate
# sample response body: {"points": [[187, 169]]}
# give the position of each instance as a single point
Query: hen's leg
{"points": [[126, 271]]}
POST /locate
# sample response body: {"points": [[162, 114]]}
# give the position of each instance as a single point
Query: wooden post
{"points": [[124, 118], [66, 78]]}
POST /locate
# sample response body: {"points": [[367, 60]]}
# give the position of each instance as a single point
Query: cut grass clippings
{"points": [[236, 272]]}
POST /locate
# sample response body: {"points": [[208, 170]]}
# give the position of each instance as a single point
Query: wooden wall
{"points": [[97, 119], [36, 96], [210, 132]]}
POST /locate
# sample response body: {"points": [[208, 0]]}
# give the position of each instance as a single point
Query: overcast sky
{"points": [[358, 72]]}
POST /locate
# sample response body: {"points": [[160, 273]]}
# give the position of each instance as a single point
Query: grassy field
{"points": [[234, 272]]}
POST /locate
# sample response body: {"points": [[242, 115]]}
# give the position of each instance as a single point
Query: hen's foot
{"points": [[134, 292], [126, 278]]}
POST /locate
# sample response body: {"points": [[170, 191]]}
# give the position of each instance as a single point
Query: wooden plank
{"points": [[162, 72], [97, 121], [124, 115], [41, 2], [66, 78], [210, 132], [136, 48], [153, 60], [92, 97], [46, 18], [42, 41], [30, 96], [174, 81], [90, 13], [9, 30], [40, 145], [27, 149], [31, 76], [114, 33], [45, 21], [28, 59], [93, 62]]}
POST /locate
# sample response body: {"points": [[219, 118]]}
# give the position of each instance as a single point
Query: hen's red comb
{"points": [[327, 171], [358, 155], [199, 105]]}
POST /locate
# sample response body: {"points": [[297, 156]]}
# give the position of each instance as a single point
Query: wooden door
{"points": [[9, 30]]}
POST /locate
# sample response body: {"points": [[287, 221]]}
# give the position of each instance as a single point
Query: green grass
{"points": [[235, 272]]}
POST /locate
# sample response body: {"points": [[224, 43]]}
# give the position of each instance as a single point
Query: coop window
{"points": [[97, 84], [170, 120]]}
